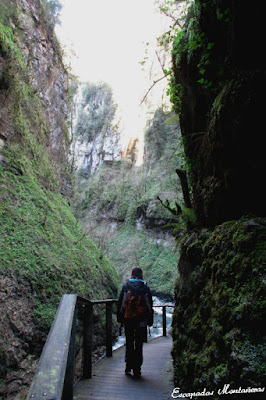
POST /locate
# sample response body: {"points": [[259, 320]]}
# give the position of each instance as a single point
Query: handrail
{"points": [[53, 368], [54, 377]]}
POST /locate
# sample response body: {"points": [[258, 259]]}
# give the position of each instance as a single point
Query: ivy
{"points": [[175, 91]]}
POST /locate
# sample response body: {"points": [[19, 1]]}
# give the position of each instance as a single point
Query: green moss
{"points": [[9, 46], [128, 247], [28, 147], [121, 192], [43, 249], [41, 243], [220, 308], [125, 188]]}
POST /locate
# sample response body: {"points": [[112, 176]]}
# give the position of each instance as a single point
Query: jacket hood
{"points": [[138, 285]]}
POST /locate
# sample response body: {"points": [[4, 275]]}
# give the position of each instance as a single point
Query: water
{"points": [[157, 328]]}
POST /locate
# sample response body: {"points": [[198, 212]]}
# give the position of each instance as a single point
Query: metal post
{"points": [[87, 341], [164, 320], [109, 305]]}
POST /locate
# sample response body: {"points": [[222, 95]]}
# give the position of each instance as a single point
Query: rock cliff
{"points": [[32, 68], [90, 155], [44, 252], [118, 204], [219, 65], [220, 80], [97, 131]]}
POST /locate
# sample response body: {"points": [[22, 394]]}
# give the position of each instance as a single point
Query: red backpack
{"points": [[136, 306]]}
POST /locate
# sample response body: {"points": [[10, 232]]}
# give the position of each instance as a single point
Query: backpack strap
{"points": [[125, 289], [147, 301], [123, 302]]}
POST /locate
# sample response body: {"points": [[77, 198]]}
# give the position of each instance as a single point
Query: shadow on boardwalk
{"points": [[110, 382]]}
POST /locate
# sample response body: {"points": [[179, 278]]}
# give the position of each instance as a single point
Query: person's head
{"points": [[137, 273]]}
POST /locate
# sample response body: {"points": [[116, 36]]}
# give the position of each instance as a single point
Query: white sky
{"points": [[108, 38]]}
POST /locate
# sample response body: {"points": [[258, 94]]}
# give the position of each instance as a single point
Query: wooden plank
{"points": [[110, 382]]}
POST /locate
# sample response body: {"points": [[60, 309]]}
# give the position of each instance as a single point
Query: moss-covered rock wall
{"points": [[220, 71], [218, 321], [219, 80], [44, 252]]}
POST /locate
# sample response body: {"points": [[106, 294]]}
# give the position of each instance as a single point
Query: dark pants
{"points": [[135, 336]]}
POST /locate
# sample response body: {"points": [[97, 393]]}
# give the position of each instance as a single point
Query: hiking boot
{"points": [[137, 373]]}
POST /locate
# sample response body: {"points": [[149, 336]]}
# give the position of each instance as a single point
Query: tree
{"points": [[54, 8], [175, 11]]}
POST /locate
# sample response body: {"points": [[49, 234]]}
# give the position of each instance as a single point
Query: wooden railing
{"points": [[164, 317], [54, 377]]}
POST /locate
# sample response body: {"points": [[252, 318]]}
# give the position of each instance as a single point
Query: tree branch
{"points": [[152, 86], [177, 23], [184, 185], [159, 60], [175, 211]]}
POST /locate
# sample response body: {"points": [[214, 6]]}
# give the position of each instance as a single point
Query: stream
{"points": [[157, 328]]}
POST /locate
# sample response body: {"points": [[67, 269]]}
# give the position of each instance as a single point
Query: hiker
{"points": [[135, 311]]}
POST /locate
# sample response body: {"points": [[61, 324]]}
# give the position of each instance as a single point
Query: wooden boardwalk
{"points": [[110, 382]]}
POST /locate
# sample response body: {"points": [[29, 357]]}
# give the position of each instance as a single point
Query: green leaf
{"points": [[210, 45]]}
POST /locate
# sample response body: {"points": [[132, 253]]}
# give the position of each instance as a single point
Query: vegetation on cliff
{"points": [[44, 251], [118, 204], [219, 89], [43, 244], [218, 328], [96, 111], [219, 336], [216, 85], [32, 208]]}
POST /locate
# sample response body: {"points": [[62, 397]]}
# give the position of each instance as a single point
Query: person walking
{"points": [[135, 311]]}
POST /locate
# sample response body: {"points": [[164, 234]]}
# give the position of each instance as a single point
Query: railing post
{"points": [[164, 320], [87, 341], [109, 329]]}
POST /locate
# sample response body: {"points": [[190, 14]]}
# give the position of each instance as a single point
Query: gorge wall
{"points": [[219, 76], [96, 128], [33, 79], [44, 252], [116, 200]]}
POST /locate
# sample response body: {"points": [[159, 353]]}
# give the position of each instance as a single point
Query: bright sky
{"points": [[108, 38]]}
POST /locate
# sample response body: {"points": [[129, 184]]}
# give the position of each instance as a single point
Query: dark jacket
{"points": [[136, 286]]}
